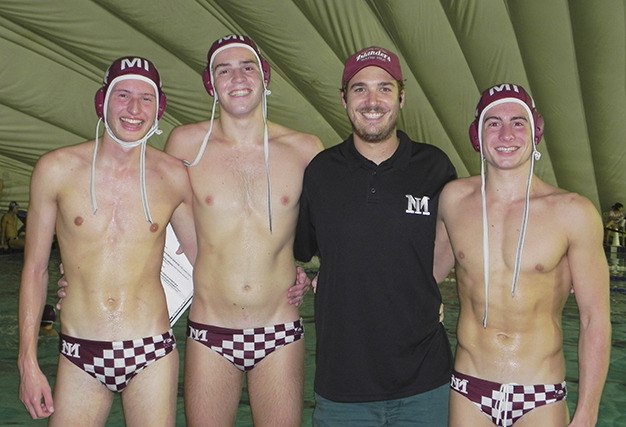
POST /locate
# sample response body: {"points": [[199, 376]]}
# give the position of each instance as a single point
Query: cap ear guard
{"points": [[206, 80]]}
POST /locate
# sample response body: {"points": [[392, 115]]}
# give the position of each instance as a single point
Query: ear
{"points": [[99, 103], [539, 126], [343, 96], [206, 80], [473, 135], [162, 105], [401, 98]]}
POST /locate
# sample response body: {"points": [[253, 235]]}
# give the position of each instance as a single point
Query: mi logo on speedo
{"points": [[197, 334], [70, 350]]}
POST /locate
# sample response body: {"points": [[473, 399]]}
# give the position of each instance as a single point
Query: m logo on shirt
{"points": [[417, 205]]}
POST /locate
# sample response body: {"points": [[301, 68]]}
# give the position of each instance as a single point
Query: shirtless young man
{"points": [[246, 191], [510, 339], [110, 225]]}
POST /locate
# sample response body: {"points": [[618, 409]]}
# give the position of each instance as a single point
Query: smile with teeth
{"points": [[131, 121], [506, 149], [372, 114], [239, 92]]}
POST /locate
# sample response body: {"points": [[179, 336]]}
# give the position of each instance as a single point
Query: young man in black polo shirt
{"points": [[369, 209]]}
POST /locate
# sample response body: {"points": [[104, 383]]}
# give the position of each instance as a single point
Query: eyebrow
{"points": [[229, 64], [128, 91], [380, 84], [512, 118]]}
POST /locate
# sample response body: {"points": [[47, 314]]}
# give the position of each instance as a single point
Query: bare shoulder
{"points": [[184, 140], [461, 188], [573, 210], [66, 159], [306, 144], [167, 166], [164, 160]]}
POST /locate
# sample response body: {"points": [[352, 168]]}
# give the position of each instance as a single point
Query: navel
{"points": [[79, 220]]}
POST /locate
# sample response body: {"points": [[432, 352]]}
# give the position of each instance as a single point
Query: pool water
{"points": [[12, 412]]}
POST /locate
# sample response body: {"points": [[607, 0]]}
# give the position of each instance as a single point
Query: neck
{"points": [[111, 151], [242, 130], [509, 184], [377, 152]]}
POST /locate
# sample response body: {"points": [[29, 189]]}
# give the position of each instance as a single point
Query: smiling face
{"points": [[131, 109], [506, 135], [372, 99], [237, 79]]}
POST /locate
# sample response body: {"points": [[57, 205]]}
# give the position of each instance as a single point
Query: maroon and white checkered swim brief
{"points": [[506, 403], [244, 348], [115, 363]]}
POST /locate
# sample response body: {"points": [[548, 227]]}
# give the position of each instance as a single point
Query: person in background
{"points": [[10, 225], [519, 245], [615, 225], [109, 201], [246, 174], [48, 317], [368, 209]]}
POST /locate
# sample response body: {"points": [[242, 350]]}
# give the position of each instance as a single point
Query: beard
{"points": [[378, 133]]}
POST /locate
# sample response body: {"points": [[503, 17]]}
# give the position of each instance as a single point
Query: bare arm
{"points": [[183, 225], [35, 391], [591, 283], [444, 257]]}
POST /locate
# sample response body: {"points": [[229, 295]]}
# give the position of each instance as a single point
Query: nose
{"points": [[506, 132], [134, 105], [237, 74], [372, 97]]}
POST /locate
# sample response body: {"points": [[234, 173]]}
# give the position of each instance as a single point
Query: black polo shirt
{"points": [[376, 306]]}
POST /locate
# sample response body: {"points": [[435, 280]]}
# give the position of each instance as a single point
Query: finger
{"points": [[36, 409], [47, 403]]}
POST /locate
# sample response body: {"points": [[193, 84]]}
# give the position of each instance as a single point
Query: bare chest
{"points": [[245, 183], [543, 247]]}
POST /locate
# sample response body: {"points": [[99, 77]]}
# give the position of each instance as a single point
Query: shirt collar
{"points": [[399, 159]]}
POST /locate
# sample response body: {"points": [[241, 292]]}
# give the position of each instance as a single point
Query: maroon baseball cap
{"points": [[372, 56]]}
